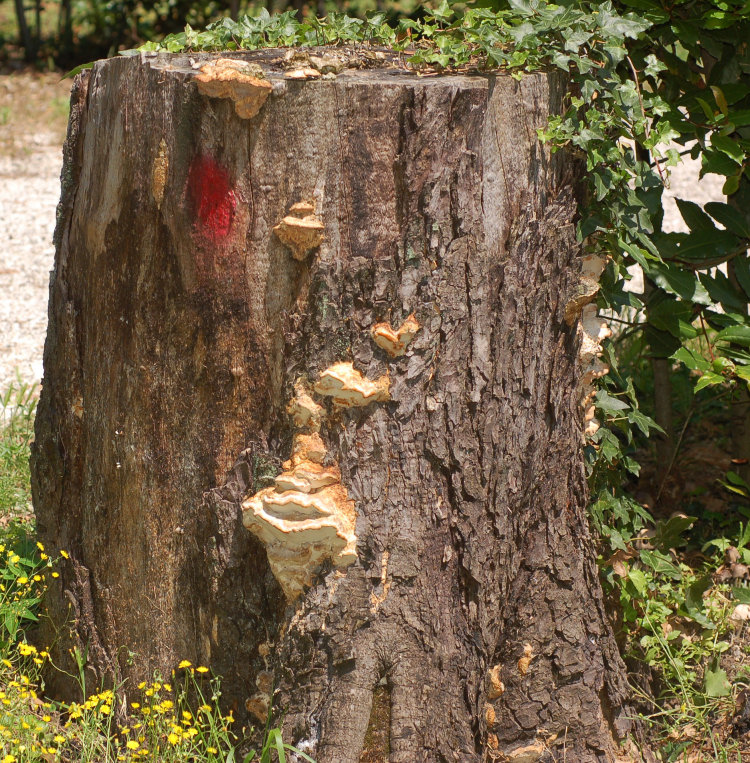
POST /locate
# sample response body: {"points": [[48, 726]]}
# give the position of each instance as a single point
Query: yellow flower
{"points": [[22, 580], [185, 664], [39, 546], [205, 708], [43, 557], [132, 745], [172, 739], [135, 705], [9, 759], [212, 750], [105, 709], [59, 739], [167, 687], [55, 574], [64, 554], [202, 669]]}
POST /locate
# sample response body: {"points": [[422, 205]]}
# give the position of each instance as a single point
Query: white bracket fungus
{"points": [[349, 388], [307, 517], [592, 267], [593, 331], [395, 342], [300, 230], [242, 82]]}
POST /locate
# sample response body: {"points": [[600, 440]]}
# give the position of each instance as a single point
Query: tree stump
{"points": [[344, 307]]}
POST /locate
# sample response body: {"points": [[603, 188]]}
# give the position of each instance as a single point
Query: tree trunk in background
{"points": [[182, 326]]}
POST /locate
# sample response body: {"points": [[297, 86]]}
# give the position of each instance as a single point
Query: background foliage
{"points": [[651, 81]]}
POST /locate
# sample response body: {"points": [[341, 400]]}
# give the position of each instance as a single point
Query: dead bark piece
{"points": [[159, 174], [233, 79], [395, 342]]}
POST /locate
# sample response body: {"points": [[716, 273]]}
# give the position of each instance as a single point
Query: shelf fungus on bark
{"points": [[395, 342], [587, 287], [593, 331], [305, 519], [349, 388], [495, 687], [301, 231], [243, 83]]}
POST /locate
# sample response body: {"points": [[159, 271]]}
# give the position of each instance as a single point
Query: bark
{"points": [[179, 326]]}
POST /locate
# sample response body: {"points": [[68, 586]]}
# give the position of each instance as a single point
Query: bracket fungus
{"points": [[395, 342], [243, 83], [587, 288], [349, 388], [306, 518], [300, 230], [593, 331]]}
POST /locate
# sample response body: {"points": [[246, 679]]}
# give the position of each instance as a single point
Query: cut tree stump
{"points": [[346, 309]]}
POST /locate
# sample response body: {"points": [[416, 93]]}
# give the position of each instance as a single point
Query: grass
{"points": [[174, 720]]}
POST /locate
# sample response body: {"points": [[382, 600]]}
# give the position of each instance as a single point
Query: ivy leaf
{"points": [[661, 563], [608, 403], [643, 422]]}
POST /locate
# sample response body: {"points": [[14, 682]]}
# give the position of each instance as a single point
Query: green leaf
{"points": [[729, 147], [643, 422], [717, 163], [608, 403], [731, 184], [716, 682], [741, 595], [677, 281], [639, 580], [721, 101], [722, 291], [692, 360], [668, 533], [730, 217], [660, 563], [694, 595], [78, 69], [736, 334], [695, 218], [708, 379]]}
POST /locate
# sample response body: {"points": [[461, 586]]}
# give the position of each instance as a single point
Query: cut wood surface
{"points": [[416, 504]]}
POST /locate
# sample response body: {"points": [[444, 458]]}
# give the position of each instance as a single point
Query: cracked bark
{"points": [[172, 353]]}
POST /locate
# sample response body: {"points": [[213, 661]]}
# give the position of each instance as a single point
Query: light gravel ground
{"points": [[33, 114], [32, 129]]}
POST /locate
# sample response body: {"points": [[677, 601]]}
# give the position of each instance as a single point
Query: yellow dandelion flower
{"points": [[142, 685], [9, 759], [7, 663], [43, 557], [132, 745], [38, 578], [39, 546], [185, 664], [55, 574], [64, 554], [173, 739], [105, 709], [167, 687], [59, 739], [202, 669], [212, 750], [135, 705], [186, 715], [205, 708], [22, 580]]}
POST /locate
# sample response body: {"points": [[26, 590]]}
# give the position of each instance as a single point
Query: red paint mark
{"points": [[212, 197]]}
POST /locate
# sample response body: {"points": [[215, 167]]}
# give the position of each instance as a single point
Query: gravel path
{"points": [[33, 114], [31, 136]]}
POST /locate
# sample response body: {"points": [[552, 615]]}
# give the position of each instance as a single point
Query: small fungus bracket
{"points": [[395, 342], [301, 231], [349, 388], [243, 83]]}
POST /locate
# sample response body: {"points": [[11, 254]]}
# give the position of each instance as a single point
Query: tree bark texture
{"points": [[180, 323]]}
